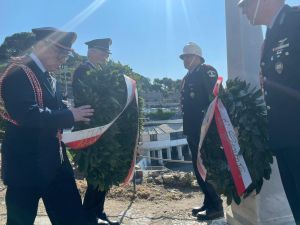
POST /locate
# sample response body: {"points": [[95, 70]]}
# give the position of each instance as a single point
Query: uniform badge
{"points": [[280, 48], [211, 73], [192, 94], [279, 67]]}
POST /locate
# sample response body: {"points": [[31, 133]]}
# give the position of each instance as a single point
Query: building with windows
{"points": [[163, 140], [155, 99]]}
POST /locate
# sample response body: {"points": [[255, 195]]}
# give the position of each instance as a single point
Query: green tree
{"points": [[161, 115], [143, 83], [17, 44], [166, 86]]}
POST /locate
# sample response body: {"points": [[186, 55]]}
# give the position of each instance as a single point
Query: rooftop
{"points": [[163, 127]]}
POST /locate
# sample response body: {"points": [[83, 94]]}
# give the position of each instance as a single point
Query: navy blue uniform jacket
{"points": [[280, 66], [196, 88], [30, 150]]}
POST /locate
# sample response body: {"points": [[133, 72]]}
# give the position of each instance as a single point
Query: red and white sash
{"points": [[236, 162], [83, 138]]}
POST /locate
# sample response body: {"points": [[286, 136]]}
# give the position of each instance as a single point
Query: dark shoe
{"points": [[104, 217], [196, 210], [210, 215]]}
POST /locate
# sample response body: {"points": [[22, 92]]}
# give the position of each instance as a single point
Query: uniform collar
{"points": [[193, 70], [276, 16], [91, 64], [38, 62]]}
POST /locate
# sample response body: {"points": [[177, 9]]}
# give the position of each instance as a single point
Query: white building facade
{"points": [[163, 141]]}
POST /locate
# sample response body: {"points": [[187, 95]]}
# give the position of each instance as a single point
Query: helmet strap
{"points": [[256, 11]]}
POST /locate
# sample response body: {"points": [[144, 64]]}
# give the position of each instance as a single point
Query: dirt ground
{"points": [[152, 204], [149, 204]]}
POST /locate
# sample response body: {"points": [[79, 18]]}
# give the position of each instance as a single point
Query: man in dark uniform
{"points": [[280, 70], [98, 53], [196, 88], [34, 161]]}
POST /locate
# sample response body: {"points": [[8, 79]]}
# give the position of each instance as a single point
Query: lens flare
{"points": [[82, 16]]}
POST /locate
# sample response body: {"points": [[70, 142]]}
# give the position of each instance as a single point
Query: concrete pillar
{"points": [[169, 156], [244, 43], [160, 156], [148, 159], [179, 150], [152, 154]]}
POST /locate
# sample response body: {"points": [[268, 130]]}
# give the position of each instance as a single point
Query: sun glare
{"points": [[83, 15], [186, 16]]}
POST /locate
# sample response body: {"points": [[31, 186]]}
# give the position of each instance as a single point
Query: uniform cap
{"points": [[102, 44], [59, 38]]}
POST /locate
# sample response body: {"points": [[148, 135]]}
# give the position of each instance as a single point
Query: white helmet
{"points": [[192, 48]]}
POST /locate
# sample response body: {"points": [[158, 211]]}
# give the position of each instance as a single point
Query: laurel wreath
{"points": [[247, 111], [108, 161]]}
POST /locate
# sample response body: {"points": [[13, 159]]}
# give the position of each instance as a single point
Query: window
{"points": [[176, 135], [153, 137]]}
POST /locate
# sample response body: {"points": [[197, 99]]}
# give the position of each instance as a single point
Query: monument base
{"points": [[269, 207]]}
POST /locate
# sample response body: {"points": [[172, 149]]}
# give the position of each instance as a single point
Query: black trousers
{"points": [[212, 200], [288, 160], [61, 199], [93, 202]]}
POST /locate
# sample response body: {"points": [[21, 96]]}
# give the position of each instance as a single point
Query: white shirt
{"points": [[43, 69]]}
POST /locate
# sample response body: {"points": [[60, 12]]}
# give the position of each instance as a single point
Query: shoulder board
{"points": [[295, 11], [201, 67], [296, 8], [294, 15], [208, 67], [86, 64]]}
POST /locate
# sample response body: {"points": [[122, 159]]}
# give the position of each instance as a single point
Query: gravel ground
{"points": [[162, 206], [151, 204]]}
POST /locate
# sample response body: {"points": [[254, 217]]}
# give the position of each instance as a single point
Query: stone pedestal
{"points": [[269, 207]]}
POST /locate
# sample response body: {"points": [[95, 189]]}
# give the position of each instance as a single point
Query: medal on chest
{"points": [[279, 67], [192, 94]]}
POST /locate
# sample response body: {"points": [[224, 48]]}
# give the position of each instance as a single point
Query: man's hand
{"points": [[82, 113]]}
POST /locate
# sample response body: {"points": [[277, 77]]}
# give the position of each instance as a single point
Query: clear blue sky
{"points": [[148, 35]]}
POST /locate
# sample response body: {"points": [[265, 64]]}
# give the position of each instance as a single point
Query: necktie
{"points": [[51, 81]]}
